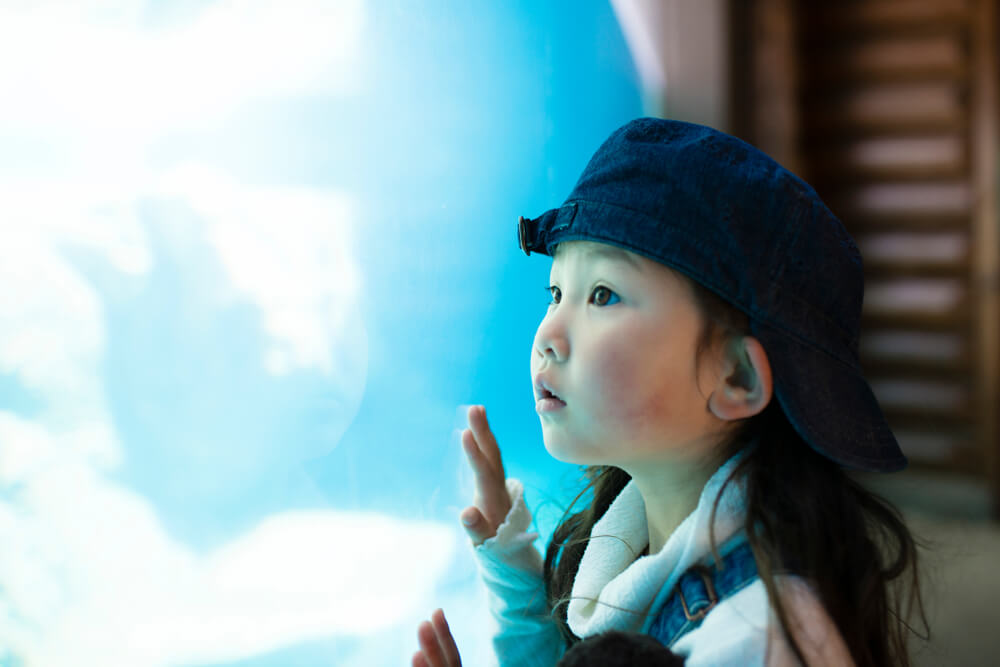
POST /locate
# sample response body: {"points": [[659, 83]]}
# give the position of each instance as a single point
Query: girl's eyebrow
{"points": [[612, 253]]}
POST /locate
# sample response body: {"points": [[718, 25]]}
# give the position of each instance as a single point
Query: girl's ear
{"points": [[744, 387]]}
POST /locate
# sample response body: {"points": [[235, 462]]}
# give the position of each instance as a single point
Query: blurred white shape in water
{"points": [[127, 79], [88, 573], [287, 248], [90, 577]]}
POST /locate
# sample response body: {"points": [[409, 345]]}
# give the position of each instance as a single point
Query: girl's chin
{"points": [[569, 454]]}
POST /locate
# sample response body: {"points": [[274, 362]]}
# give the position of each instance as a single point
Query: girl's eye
{"points": [[553, 291], [600, 289]]}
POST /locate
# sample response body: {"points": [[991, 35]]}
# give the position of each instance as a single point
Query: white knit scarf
{"points": [[612, 589]]}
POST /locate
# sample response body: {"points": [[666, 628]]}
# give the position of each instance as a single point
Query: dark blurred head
{"points": [[613, 648]]}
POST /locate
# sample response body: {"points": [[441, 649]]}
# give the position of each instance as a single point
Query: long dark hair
{"points": [[804, 515]]}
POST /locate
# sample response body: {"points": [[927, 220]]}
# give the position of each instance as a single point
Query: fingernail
{"points": [[468, 520]]}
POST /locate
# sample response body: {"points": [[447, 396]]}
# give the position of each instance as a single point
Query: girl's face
{"points": [[618, 346]]}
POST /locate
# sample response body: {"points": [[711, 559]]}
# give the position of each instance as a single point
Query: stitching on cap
{"points": [[571, 216]]}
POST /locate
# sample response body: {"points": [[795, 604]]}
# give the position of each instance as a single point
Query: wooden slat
{"points": [[946, 414], [926, 221], [817, 36], [920, 417], [898, 16], [879, 268], [874, 201], [915, 269], [934, 394], [931, 249], [937, 445], [958, 463], [914, 104], [838, 172], [886, 59], [769, 74], [831, 76], [956, 319], [985, 231], [930, 424], [887, 159], [967, 458], [839, 125], [931, 296], [914, 368], [914, 347]]}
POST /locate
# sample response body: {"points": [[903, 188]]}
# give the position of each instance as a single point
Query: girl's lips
{"points": [[543, 389], [549, 405]]}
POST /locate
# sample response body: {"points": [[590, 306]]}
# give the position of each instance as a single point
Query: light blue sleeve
{"points": [[511, 568]]}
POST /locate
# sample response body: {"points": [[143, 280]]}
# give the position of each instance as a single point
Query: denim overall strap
{"points": [[699, 590]]}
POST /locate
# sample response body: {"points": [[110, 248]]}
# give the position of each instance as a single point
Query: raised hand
{"points": [[491, 502], [437, 646]]}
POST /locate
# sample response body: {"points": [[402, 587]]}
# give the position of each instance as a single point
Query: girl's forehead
{"points": [[649, 272], [581, 245], [593, 250], [585, 252]]}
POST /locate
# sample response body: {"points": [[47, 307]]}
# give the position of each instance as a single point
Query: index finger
{"points": [[484, 436], [445, 639]]}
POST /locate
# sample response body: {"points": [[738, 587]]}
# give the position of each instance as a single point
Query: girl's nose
{"points": [[550, 341]]}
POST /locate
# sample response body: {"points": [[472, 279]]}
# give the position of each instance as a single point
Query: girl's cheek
{"points": [[623, 395], [639, 392]]}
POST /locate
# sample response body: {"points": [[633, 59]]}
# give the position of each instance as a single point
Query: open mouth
{"points": [[548, 394], [544, 395]]}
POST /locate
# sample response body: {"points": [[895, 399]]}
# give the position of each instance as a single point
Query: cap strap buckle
{"points": [[523, 234]]}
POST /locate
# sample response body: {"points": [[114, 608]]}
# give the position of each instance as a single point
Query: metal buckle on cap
{"points": [[706, 578], [522, 234]]}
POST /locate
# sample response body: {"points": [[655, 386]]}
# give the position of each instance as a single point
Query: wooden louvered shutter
{"points": [[888, 107]]}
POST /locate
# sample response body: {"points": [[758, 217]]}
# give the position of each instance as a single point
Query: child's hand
{"points": [[437, 646], [491, 502]]}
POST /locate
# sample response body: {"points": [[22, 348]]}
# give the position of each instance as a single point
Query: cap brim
{"points": [[830, 404]]}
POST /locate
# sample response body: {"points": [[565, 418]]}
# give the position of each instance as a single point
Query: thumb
{"points": [[475, 524]]}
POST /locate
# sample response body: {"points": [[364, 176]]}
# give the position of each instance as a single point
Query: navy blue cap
{"points": [[735, 221]]}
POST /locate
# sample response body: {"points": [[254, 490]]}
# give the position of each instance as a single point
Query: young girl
{"points": [[700, 357]]}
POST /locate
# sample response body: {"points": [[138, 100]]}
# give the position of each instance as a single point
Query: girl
{"points": [[699, 357]]}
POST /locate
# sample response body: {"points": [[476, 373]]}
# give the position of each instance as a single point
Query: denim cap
{"points": [[735, 221]]}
